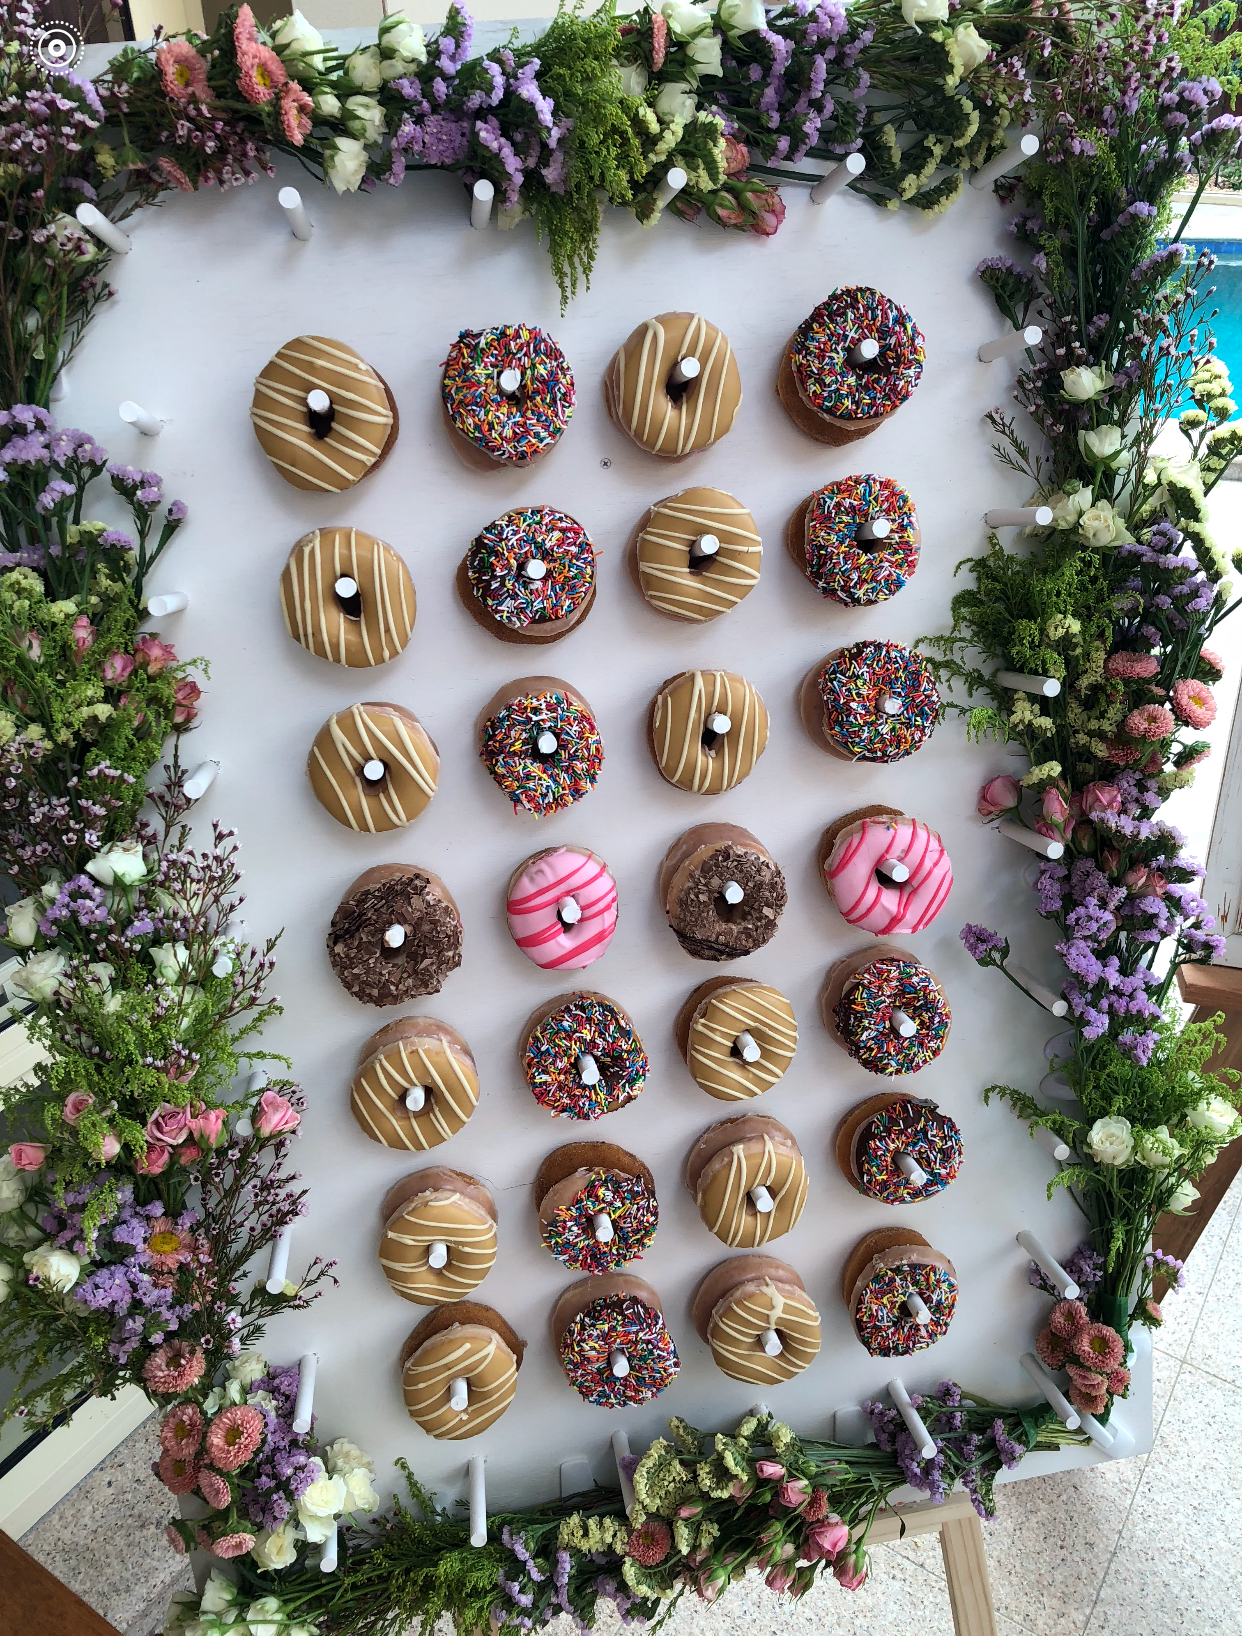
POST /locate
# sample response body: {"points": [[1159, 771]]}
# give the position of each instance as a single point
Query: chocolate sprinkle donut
{"points": [[710, 930], [377, 975]]}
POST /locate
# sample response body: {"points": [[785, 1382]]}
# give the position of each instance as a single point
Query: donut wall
{"points": [[672, 1029]]}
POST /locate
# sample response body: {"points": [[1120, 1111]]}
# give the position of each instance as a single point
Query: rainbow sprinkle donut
{"points": [[829, 378], [630, 1205], [865, 1020], [533, 567], [510, 428], [539, 783], [565, 1032], [884, 1322], [613, 1324], [917, 1128], [874, 701], [844, 568]]}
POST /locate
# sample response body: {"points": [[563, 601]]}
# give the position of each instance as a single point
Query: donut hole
{"points": [[418, 1109], [349, 603], [393, 953], [731, 914], [373, 775]]}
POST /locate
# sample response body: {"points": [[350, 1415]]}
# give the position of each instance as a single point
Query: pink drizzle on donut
{"points": [[536, 927], [865, 898]]}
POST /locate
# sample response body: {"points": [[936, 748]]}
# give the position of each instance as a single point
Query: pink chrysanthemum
{"points": [[168, 1245], [245, 31], [183, 72], [233, 1436], [1067, 1318], [1213, 661], [1193, 761], [1119, 1381], [260, 73], [1193, 703], [1051, 1348], [231, 1545], [651, 1541], [816, 1506], [296, 107], [173, 1368], [172, 172], [182, 1429], [1099, 1347], [213, 1488], [177, 1472], [1149, 721], [174, 1539], [659, 41], [1122, 755], [1088, 1402], [1153, 764], [1086, 1379], [1131, 667]]}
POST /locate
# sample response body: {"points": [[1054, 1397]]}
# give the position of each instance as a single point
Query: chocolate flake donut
{"points": [[395, 935], [722, 892]]}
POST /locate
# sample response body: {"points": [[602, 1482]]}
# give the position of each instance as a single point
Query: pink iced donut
{"points": [[562, 908], [849, 858]]}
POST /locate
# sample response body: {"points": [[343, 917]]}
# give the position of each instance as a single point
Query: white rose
{"points": [[276, 1549], [169, 960], [51, 891], [14, 1184], [1066, 508], [327, 105], [359, 1493], [321, 1503], [364, 118], [1101, 445], [400, 38], [231, 1392], [685, 21], [1083, 383], [178, 1613], [741, 16], [57, 1269], [1182, 1200], [343, 1457], [925, 11], [345, 164], [362, 68], [634, 78], [219, 1593], [1156, 1149], [1214, 1114], [704, 54], [120, 865], [675, 101], [300, 46], [247, 1367], [40, 977], [23, 918], [1110, 1142], [8, 1276], [972, 48], [266, 1617], [1100, 525]]}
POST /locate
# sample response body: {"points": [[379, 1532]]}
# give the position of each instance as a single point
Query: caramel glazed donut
{"points": [[737, 1037], [748, 1179], [395, 935], [754, 1313], [374, 767], [459, 1370], [415, 1086], [706, 730], [347, 597], [722, 892], [439, 1237], [322, 416], [674, 387], [696, 555]]}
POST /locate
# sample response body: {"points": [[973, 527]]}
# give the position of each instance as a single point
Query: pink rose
{"points": [[850, 1569], [190, 1154], [780, 1578], [742, 1489], [30, 642], [76, 1104], [110, 1148], [168, 1126], [1135, 878], [150, 651], [83, 635], [999, 794], [826, 1539], [1042, 827], [770, 1470], [728, 216], [737, 156], [1053, 806], [1157, 885], [793, 1493], [708, 1586], [275, 1114], [156, 1160], [1101, 798], [28, 1155], [208, 1126], [117, 666], [1110, 860], [771, 208], [694, 1509], [186, 695]]}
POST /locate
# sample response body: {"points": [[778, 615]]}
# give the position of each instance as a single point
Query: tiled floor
{"points": [[1146, 1547]]}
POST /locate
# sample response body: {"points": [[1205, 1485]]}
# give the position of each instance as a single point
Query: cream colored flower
{"points": [[23, 918], [277, 1548], [401, 40], [247, 1367], [219, 1593], [704, 53], [685, 21], [300, 46], [1067, 508], [675, 101], [321, 1503], [343, 1456], [1111, 1142], [119, 865], [1214, 1114], [266, 1617], [327, 105], [634, 78], [972, 48], [1156, 1149], [169, 960], [362, 68], [1082, 383], [925, 11], [14, 1184], [39, 978], [360, 1495], [364, 118], [1101, 525], [8, 1275], [57, 1269], [741, 16], [1182, 1200], [345, 163]]}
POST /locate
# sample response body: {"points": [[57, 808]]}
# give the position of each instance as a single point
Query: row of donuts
{"points": [[374, 767], [325, 418]]}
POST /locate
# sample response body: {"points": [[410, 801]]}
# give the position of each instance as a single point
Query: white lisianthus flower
{"points": [[246, 1368], [1156, 1149], [327, 105], [1182, 1200], [121, 864], [39, 978], [401, 39], [1082, 383], [972, 48], [266, 1617], [299, 46], [362, 68], [56, 1269], [221, 1396], [219, 1593], [675, 101], [685, 21], [925, 11], [23, 918], [364, 118], [321, 1503], [1214, 1114], [634, 78], [277, 1548], [1101, 525], [741, 16], [1111, 1142], [704, 53], [345, 164], [169, 960], [360, 1495], [14, 1184], [8, 1276]]}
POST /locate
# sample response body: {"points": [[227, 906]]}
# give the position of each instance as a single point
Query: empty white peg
{"points": [[838, 177], [373, 770], [478, 1501], [304, 1403], [394, 937], [770, 1341], [142, 420], [621, 1451], [327, 1557], [618, 1363], [762, 1200], [703, 547], [96, 223], [256, 1082], [745, 1046], [1044, 687], [1060, 1046], [601, 1225], [1039, 992], [1052, 1143], [1018, 517], [910, 1169], [588, 1069], [60, 386], [576, 1475], [1012, 830], [894, 869], [416, 1098], [1066, 1412], [907, 1411], [1051, 1268], [534, 570], [278, 1263], [1016, 340], [546, 743], [684, 371], [732, 893], [674, 180], [569, 911], [169, 603], [483, 196], [459, 1394], [1014, 155], [290, 201], [902, 1023], [201, 779], [918, 1307], [874, 528], [865, 351]]}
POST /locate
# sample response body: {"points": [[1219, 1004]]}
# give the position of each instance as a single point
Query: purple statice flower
{"points": [[1009, 1451], [1050, 887], [52, 496], [1159, 1259], [981, 943]]}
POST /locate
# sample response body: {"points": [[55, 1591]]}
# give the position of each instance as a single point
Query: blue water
{"points": [[1227, 325]]}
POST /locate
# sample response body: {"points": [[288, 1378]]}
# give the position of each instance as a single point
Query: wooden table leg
{"points": [[966, 1570]]}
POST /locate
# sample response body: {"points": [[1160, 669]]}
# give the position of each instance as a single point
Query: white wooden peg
{"points": [[1057, 1088], [97, 224], [546, 743], [703, 548], [483, 197], [684, 371], [917, 1307], [588, 1069], [620, 1452], [762, 1200], [746, 1046], [674, 180], [907, 1411], [510, 382], [569, 911], [770, 1341], [1052, 1143], [618, 1363], [718, 722], [1013, 156], [256, 1082], [290, 201], [478, 1502], [170, 602], [902, 1024], [891, 704], [373, 770], [1016, 340], [142, 420], [416, 1098], [222, 966], [864, 352], [839, 177], [328, 1556], [1018, 517], [874, 528], [60, 386], [1051, 1268], [1044, 687], [910, 1169], [201, 779], [601, 1226], [732, 893], [534, 570], [394, 937], [1066, 1413], [1039, 992], [304, 1403], [459, 1394], [437, 1254], [1014, 831], [278, 1265], [576, 1476], [893, 869]]}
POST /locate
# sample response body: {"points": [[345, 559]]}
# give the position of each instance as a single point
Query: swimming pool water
{"points": [[1227, 325]]}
